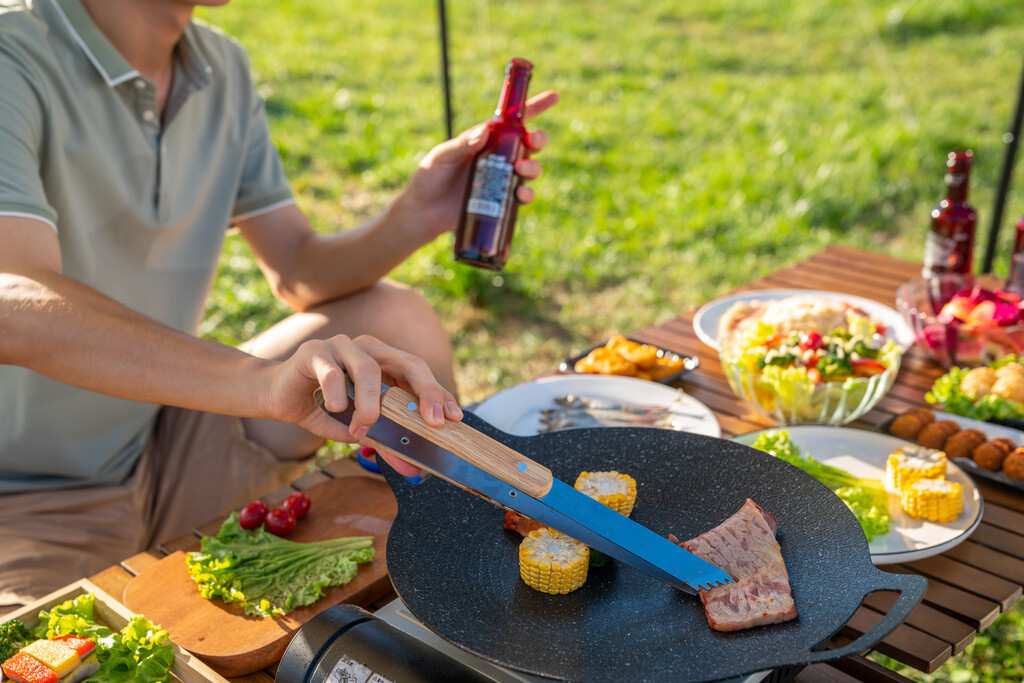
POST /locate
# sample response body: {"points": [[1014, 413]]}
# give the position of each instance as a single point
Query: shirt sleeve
{"points": [[21, 138], [263, 185]]}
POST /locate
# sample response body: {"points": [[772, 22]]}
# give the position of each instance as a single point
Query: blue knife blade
{"points": [[561, 507]]}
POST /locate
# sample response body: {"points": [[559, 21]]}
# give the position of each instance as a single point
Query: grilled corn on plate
{"points": [[936, 500]]}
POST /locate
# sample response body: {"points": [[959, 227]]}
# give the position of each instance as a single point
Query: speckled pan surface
{"points": [[457, 570]]}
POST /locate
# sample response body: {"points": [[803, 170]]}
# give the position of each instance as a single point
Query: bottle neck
{"points": [[956, 186], [512, 102]]}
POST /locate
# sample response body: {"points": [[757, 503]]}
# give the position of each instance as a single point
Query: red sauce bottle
{"points": [[950, 244], [488, 218]]}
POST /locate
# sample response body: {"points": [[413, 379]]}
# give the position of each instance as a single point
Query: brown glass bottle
{"points": [[489, 209], [950, 244]]}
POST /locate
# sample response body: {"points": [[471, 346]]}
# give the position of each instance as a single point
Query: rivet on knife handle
{"points": [[478, 449]]}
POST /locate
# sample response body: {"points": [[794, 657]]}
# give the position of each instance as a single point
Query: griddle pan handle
{"points": [[911, 589]]}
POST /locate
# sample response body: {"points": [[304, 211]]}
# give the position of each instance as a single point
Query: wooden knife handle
{"points": [[491, 456]]}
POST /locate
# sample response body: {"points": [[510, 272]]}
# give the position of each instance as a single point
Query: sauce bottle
{"points": [[950, 243], [488, 217]]}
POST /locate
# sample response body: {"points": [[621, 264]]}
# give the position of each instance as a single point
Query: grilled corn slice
{"points": [[617, 491], [551, 562], [910, 463], [937, 500]]}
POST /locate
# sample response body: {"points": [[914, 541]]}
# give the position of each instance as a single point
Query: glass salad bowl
{"points": [[799, 400]]}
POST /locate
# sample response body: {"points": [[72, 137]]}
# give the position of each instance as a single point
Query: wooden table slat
{"points": [[916, 648], [989, 560], [929, 620], [140, 561], [1001, 539], [973, 609], [970, 579]]}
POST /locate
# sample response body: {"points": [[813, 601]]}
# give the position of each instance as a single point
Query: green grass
{"points": [[698, 146]]}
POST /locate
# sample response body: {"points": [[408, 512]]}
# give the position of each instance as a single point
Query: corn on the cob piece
{"points": [[937, 500], [551, 562], [617, 491], [910, 463]]}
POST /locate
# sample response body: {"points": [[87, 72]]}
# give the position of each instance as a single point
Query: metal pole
{"points": [[1004, 179], [445, 84]]}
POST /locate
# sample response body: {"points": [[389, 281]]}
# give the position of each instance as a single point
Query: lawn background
{"points": [[698, 146]]}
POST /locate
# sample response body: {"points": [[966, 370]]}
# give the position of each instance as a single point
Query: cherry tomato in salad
{"points": [[811, 341], [368, 452], [298, 503], [252, 515], [814, 374], [280, 521]]}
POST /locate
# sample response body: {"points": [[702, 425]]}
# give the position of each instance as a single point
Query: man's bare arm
{"points": [[68, 331]]}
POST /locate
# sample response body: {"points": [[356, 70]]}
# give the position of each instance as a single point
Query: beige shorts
{"points": [[195, 466]]}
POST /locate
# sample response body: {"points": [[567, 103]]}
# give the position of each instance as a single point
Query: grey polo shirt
{"points": [[140, 207]]}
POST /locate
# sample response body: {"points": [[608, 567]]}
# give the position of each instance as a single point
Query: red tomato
{"points": [[814, 374], [811, 341], [367, 452], [280, 521], [253, 514], [298, 503]]}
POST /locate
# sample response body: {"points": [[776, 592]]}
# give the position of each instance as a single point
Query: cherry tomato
{"points": [[814, 374], [811, 341], [298, 503], [280, 521], [253, 514], [367, 452]]}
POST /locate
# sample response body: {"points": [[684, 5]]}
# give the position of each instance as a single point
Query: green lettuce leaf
{"points": [[866, 498], [269, 575]]}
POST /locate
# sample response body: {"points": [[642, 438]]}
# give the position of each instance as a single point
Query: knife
{"points": [[480, 465]]}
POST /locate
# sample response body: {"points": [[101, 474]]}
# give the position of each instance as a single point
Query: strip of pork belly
{"points": [[744, 545]]}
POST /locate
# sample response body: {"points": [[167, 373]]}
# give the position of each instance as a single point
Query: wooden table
{"points": [[969, 586]]}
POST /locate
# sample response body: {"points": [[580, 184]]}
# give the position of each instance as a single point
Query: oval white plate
{"points": [[706, 321], [863, 453], [517, 410]]}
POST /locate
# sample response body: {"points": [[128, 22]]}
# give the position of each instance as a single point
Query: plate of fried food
{"points": [[625, 357], [985, 450]]}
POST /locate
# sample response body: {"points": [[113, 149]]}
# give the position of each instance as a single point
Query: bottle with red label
{"points": [[484, 236], [950, 244], [1015, 282]]}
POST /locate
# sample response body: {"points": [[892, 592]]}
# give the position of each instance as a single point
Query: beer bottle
{"points": [[950, 243], [484, 235]]}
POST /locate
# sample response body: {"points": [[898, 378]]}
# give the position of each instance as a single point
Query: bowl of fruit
{"points": [[963, 320]]}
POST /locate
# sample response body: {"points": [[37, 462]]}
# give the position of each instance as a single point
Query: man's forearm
{"points": [[70, 332]]}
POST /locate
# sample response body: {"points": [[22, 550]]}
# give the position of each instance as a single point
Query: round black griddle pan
{"points": [[456, 569]]}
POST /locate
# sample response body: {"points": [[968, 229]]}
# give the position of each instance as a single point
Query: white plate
{"points": [[706, 321], [863, 454], [517, 410]]}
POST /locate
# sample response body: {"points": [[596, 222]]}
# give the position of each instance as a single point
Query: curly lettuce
{"points": [[140, 653], [946, 392], [269, 575]]}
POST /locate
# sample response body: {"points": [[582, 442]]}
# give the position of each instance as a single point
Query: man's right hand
{"points": [[368, 362]]}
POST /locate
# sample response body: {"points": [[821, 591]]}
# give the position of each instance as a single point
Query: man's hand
{"points": [[434, 194], [368, 362]]}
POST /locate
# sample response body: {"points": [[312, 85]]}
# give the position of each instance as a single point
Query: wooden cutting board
{"points": [[234, 644]]}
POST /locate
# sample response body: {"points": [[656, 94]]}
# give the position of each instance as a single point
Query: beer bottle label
{"points": [[492, 179], [939, 254]]}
